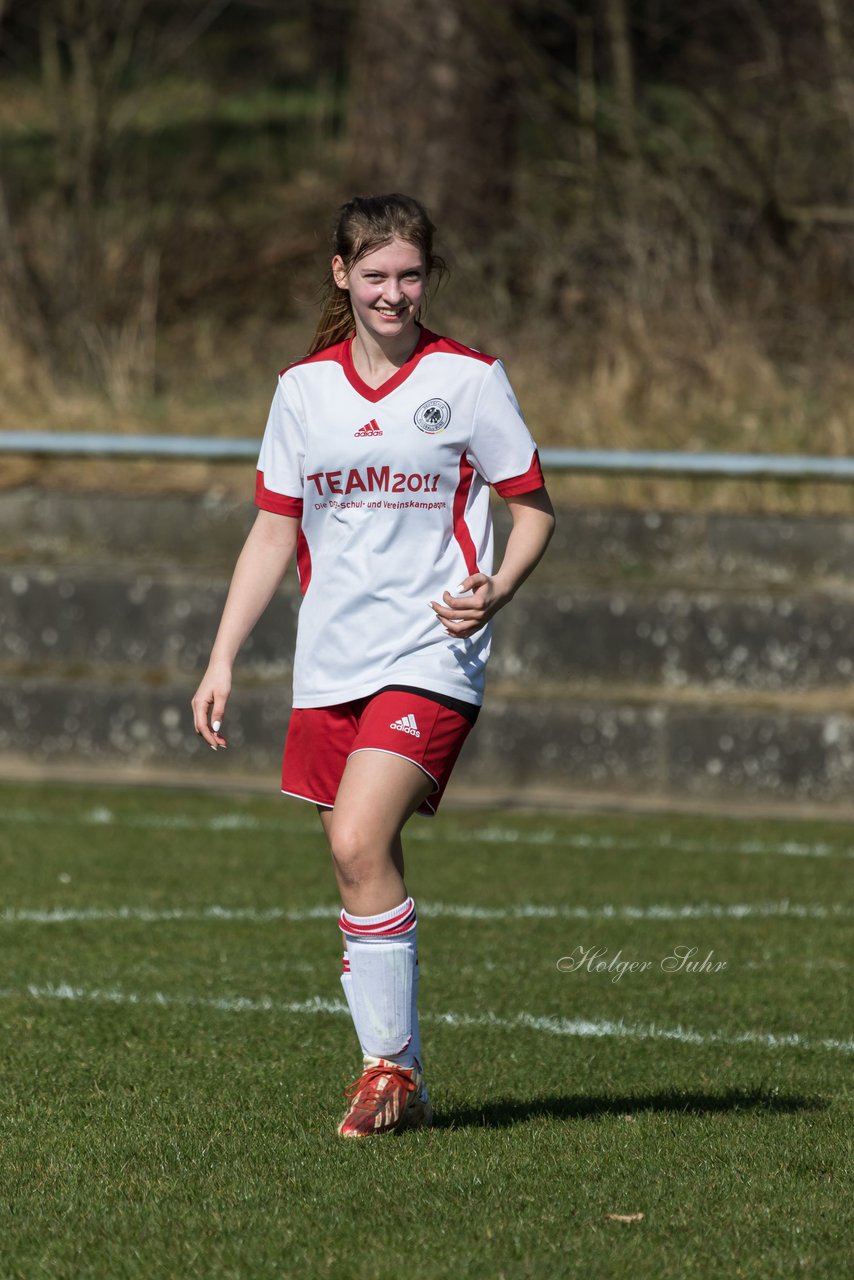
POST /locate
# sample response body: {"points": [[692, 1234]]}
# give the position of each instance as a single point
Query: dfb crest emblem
{"points": [[432, 416]]}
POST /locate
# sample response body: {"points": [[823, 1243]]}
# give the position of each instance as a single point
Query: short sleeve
{"points": [[502, 449], [279, 481]]}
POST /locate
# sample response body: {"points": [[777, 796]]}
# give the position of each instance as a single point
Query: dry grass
{"points": [[672, 328], [730, 401], [676, 380]]}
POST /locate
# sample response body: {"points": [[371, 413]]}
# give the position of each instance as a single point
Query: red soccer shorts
{"points": [[321, 739]]}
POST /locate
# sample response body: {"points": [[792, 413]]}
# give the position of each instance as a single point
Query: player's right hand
{"points": [[209, 704]]}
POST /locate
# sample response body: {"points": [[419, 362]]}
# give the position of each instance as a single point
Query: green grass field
{"points": [[175, 1047]]}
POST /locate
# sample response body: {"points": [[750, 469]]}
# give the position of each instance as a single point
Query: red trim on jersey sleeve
{"points": [[531, 479], [279, 503], [434, 342], [303, 562], [461, 529], [334, 353]]}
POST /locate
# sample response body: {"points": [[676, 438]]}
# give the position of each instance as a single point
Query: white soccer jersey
{"points": [[392, 488]]}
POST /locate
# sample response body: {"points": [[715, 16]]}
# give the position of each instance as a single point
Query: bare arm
{"points": [[260, 568], [533, 525]]}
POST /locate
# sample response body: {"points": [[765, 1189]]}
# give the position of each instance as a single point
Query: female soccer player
{"points": [[375, 468]]}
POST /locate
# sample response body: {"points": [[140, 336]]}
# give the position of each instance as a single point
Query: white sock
{"points": [[347, 983], [381, 951], [415, 1043]]}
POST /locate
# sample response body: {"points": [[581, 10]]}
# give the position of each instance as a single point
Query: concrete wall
{"points": [[678, 656]]}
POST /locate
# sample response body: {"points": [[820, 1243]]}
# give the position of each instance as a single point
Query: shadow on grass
{"points": [[504, 1112]]}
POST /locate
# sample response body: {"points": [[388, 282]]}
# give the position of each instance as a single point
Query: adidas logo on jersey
{"points": [[406, 724], [371, 428]]}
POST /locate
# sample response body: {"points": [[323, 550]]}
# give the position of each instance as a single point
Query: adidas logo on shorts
{"points": [[406, 724], [371, 428]]}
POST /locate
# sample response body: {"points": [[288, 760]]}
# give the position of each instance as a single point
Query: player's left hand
{"points": [[463, 615]]}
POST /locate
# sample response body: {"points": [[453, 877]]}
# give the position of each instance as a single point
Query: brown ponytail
{"points": [[363, 224]]}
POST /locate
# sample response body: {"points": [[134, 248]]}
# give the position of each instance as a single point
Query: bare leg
{"points": [[377, 795]]}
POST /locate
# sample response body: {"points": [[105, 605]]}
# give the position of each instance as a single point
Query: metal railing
{"points": [[731, 466]]}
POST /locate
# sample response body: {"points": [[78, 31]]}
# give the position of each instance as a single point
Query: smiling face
{"points": [[386, 288]]}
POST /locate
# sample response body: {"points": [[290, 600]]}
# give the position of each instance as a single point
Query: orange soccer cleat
{"points": [[385, 1099]]}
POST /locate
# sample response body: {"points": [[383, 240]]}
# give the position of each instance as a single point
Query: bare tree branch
{"points": [[841, 64]]}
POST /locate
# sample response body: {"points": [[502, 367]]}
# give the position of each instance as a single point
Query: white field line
{"points": [[434, 910], [579, 1027], [237, 822]]}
